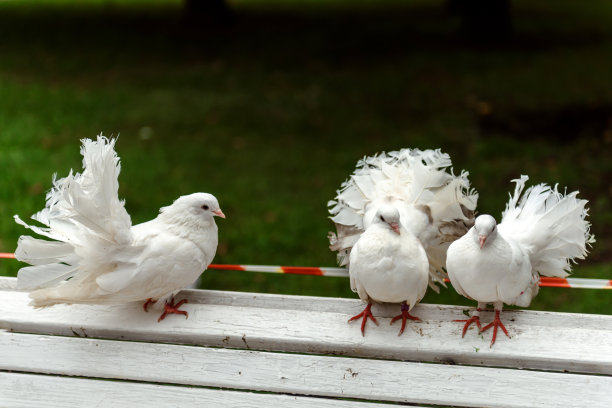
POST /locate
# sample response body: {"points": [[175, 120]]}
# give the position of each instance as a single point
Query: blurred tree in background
{"points": [[270, 108]]}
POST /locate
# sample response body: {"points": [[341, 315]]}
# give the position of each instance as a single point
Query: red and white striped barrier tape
{"points": [[294, 270], [579, 283]]}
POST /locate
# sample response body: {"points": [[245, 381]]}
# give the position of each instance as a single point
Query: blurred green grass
{"points": [[271, 112]]}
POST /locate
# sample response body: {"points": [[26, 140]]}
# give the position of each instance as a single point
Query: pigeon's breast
{"points": [[390, 268], [497, 272]]}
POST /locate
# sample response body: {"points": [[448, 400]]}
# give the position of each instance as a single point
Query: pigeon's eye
{"points": [[205, 207], [382, 218]]}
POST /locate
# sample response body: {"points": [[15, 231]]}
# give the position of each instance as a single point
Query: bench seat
{"points": [[253, 350]]}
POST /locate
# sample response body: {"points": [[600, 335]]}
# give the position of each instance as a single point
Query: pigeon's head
{"points": [[388, 216], [485, 228], [196, 206]]}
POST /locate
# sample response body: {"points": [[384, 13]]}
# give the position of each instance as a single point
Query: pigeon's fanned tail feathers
{"points": [[451, 208], [50, 296], [551, 225], [46, 232], [85, 217], [418, 183], [41, 252], [343, 241], [42, 276]]}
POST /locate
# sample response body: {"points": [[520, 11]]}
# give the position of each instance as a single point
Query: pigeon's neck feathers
{"points": [[191, 212], [179, 218]]}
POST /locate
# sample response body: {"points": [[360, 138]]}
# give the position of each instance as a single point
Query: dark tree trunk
{"points": [[212, 11], [484, 21]]}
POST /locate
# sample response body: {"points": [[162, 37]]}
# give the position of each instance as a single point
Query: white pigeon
{"points": [[395, 217], [98, 257], [541, 231]]}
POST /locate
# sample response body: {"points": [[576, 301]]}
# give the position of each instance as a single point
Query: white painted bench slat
{"points": [[540, 340], [42, 391], [314, 375]]}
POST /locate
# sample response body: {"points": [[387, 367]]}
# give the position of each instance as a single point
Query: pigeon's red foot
{"points": [[148, 303], [405, 315], [495, 324], [474, 319], [171, 308], [365, 315]]}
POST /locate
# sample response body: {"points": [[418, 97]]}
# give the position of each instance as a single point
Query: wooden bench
{"points": [[257, 350]]}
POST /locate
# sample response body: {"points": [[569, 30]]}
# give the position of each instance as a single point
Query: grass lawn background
{"points": [[271, 112]]}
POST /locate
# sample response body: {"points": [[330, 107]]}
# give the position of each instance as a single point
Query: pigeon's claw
{"points": [[495, 324], [367, 313], [468, 322], [474, 319], [171, 308], [405, 315], [148, 303]]}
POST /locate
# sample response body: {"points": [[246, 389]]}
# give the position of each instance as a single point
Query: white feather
{"points": [[541, 232], [96, 255], [414, 180], [550, 225], [44, 275], [40, 252]]}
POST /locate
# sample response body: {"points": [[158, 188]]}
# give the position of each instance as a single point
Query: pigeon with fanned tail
{"points": [[395, 218], [541, 231], [96, 256]]}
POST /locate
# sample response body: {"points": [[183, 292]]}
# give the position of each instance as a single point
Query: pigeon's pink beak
{"points": [[482, 239], [219, 213], [395, 227]]}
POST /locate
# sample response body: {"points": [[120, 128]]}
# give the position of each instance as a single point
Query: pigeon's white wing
{"points": [[168, 263], [90, 229], [435, 205], [458, 260], [550, 225]]}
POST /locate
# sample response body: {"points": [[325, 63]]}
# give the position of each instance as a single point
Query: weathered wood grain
{"points": [[43, 391], [312, 375], [540, 340]]}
